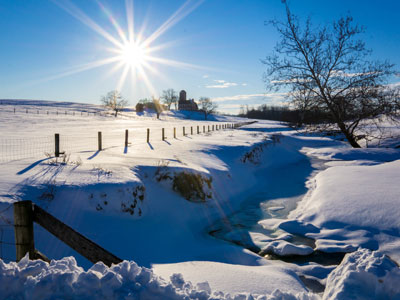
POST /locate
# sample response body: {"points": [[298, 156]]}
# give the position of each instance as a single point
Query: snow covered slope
{"points": [[264, 187]]}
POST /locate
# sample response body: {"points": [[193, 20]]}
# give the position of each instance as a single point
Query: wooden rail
{"points": [[25, 213]]}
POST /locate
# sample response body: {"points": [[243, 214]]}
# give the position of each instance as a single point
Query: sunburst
{"points": [[130, 53]]}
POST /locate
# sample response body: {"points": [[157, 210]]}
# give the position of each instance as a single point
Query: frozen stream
{"points": [[279, 194], [281, 185]]}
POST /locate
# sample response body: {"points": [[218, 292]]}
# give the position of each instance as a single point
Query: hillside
{"points": [[270, 211]]}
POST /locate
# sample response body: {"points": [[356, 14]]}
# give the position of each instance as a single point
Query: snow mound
{"points": [[364, 274], [64, 279], [284, 248]]}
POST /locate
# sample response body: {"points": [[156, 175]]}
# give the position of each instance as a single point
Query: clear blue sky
{"points": [[220, 42]]}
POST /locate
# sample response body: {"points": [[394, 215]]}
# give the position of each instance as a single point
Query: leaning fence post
{"points": [[57, 145], [148, 135], [23, 227], [100, 146], [163, 134], [126, 138]]}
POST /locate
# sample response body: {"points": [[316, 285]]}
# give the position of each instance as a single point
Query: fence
{"points": [[36, 147], [26, 213], [16, 237]]}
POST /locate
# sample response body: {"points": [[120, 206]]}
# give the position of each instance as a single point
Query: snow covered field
{"points": [[304, 200]]}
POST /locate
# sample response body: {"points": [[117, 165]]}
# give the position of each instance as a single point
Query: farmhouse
{"points": [[184, 104]]}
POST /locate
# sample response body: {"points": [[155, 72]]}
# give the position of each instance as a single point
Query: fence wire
{"points": [[12, 149], [21, 148]]}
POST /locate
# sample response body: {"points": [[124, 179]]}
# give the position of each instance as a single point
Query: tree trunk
{"points": [[350, 137]]}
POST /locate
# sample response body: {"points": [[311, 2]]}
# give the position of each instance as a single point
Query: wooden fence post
{"points": [[23, 225], [198, 129], [208, 128], [183, 131], [99, 141], [57, 145], [174, 133], [213, 128], [204, 128], [163, 134], [26, 110], [126, 138], [148, 135], [191, 130]]}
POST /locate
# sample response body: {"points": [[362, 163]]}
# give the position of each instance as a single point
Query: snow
{"points": [[364, 274], [354, 205], [283, 248], [64, 279], [228, 278], [295, 194]]}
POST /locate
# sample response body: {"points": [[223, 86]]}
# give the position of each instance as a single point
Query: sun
{"points": [[133, 54]]}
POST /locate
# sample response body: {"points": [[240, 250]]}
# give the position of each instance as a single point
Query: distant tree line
{"points": [[296, 117]]}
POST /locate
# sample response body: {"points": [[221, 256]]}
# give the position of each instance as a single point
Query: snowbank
{"points": [[364, 275], [63, 279], [352, 206]]}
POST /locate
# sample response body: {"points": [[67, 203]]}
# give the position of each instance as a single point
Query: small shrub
{"points": [[130, 205], [49, 192], [102, 172], [191, 186], [254, 155], [162, 172]]}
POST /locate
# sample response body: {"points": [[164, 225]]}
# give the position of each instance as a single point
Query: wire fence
{"points": [[51, 111], [13, 149], [21, 148]]}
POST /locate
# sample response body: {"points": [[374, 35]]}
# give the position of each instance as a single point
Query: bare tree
{"points": [[169, 96], [158, 107], [207, 106], [327, 68], [114, 101]]}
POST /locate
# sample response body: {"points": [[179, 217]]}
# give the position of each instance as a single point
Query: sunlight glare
{"points": [[133, 54]]}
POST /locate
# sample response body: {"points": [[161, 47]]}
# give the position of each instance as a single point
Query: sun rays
{"points": [[130, 55]]}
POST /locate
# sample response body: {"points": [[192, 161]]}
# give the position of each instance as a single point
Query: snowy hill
{"points": [[258, 192]]}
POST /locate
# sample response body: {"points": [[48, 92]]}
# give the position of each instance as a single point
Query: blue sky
{"points": [[218, 44]]}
